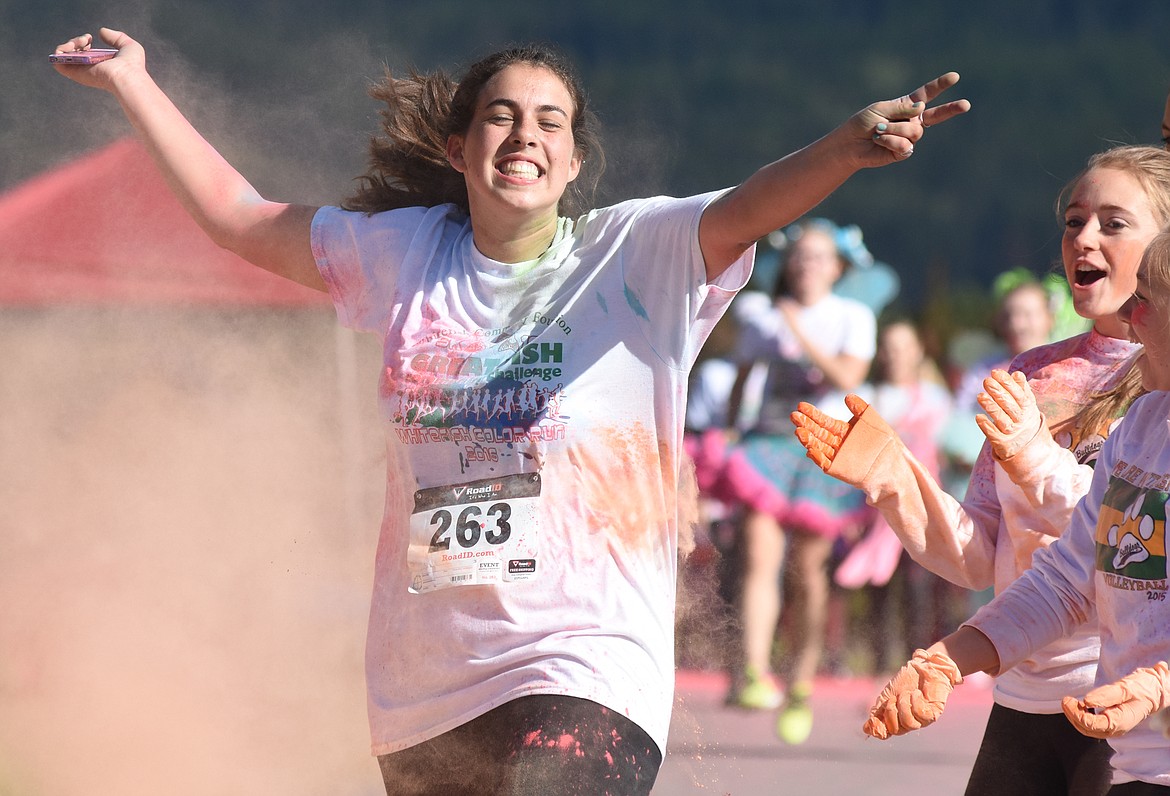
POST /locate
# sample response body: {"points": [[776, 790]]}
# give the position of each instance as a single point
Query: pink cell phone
{"points": [[82, 56]]}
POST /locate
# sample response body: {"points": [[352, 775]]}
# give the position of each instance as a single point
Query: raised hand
{"points": [[130, 55], [1012, 418], [822, 435], [1114, 709], [914, 697], [895, 126], [271, 235]]}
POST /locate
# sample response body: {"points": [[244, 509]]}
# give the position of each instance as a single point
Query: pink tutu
{"points": [[708, 450]]}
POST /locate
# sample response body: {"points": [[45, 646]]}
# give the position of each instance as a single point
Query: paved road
{"points": [[718, 750]]}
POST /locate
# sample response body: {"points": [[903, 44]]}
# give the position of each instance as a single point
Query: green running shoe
{"points": [[795, 721], [758, 692]]}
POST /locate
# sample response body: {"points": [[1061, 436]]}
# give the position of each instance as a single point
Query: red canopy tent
{"points": [[187, 463], [106, 229]]}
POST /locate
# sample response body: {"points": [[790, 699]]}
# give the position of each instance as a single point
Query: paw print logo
{"points": [[1131, 528], [1131, 546]]}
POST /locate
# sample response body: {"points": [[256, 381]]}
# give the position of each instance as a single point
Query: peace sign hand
{"points": [[887, 131]]}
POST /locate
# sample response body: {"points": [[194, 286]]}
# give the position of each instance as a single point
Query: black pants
{"points": [[541, 744], [1038, 755], [1139, 789]]}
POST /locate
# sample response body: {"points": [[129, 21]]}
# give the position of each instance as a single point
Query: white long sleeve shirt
{"points": [[1111, 560], [989, 538]]}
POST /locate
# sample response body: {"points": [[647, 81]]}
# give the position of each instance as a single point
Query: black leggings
{"points": [[1032, 754], [540, 744], [1139, 789]]}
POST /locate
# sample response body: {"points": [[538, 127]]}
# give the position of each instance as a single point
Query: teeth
{"points": [[520, 168]]}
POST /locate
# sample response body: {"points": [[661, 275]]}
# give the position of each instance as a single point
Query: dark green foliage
{"points": [[693, 95]]}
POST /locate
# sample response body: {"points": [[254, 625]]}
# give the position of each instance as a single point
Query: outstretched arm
{"points": [[1045, 603], [954, 540], [272, 235], [917, 694], [781, 192]]}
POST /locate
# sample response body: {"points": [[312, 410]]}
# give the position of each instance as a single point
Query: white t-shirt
{"points": [[838, 325], [534, 419], [1112, 559]]}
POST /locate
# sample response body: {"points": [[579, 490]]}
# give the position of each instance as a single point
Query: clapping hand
{"points": [[822, 435], [1012, 418], [914, 697]]}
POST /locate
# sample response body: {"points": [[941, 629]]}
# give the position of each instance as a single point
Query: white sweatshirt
{"points": [[1111, 559]]}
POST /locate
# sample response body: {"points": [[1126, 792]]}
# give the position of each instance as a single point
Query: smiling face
{"points": [[1108, 222], [518, 153]]}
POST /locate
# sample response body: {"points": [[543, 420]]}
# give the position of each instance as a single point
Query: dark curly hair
{"points": [[408, 164]]}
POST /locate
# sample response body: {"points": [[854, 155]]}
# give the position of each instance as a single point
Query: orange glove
{"points": [[915, 697], [1012, 418], [821, 435], [1114, 709]]}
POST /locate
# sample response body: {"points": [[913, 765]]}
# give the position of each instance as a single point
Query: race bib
{"points": [[480, 532]]}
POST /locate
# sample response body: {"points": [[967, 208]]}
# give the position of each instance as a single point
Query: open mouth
{"points": [[1088, 277]]}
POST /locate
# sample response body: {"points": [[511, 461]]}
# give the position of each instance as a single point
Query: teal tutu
{"points": [[771, 474]]}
